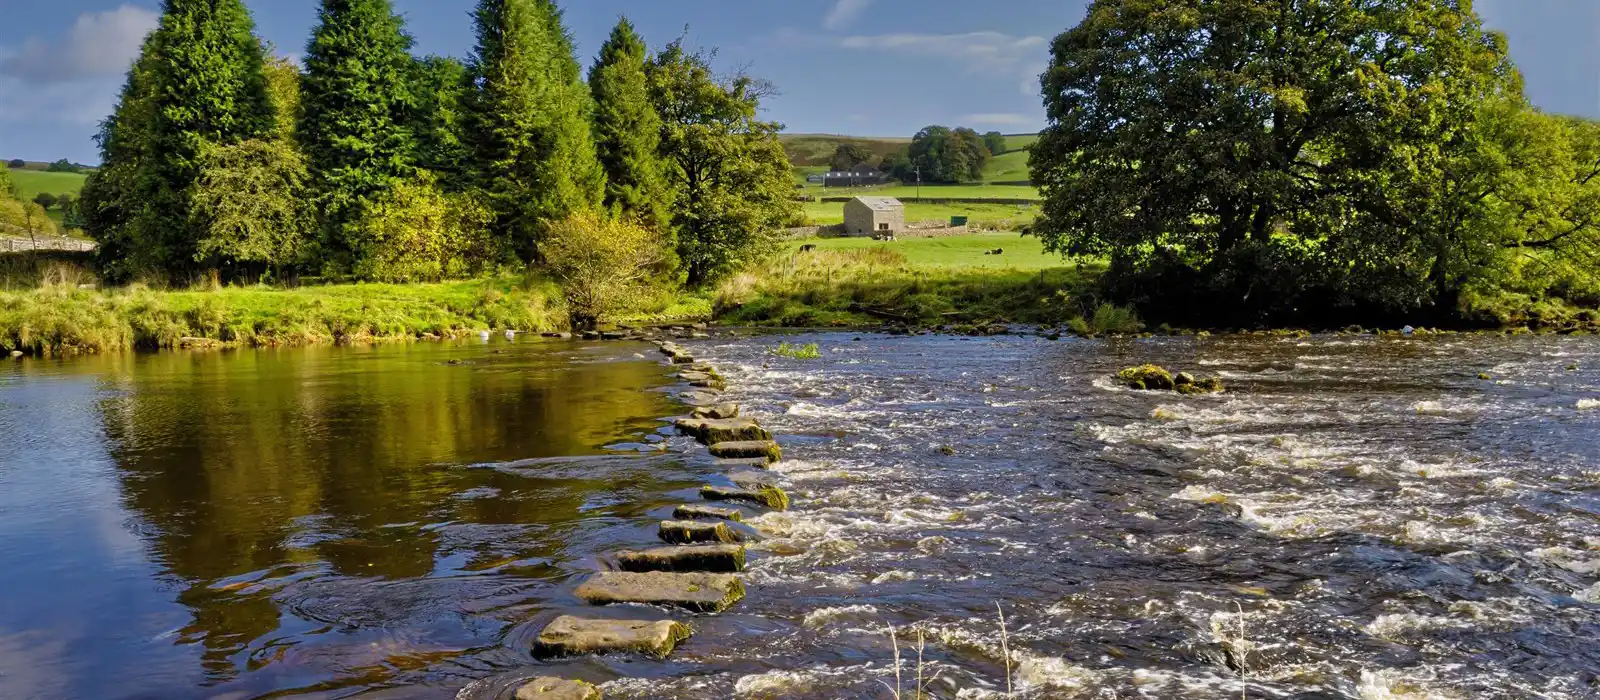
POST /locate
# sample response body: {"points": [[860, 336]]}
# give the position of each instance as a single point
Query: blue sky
{"points": [[864, 67]]}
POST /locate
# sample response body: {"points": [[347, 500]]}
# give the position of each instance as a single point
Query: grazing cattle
{"points": [[884, 237], [807, 248], [996, 251]]}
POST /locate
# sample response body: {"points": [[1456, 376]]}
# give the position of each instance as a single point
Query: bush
{"points": [[602, 264], [417, 233]]}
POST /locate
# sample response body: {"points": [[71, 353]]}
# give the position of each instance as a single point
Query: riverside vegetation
{"points": [[1390, 183]]}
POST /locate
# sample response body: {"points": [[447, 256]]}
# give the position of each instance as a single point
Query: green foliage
{"points": [[198, 83], [18, 218], [441, 85], [528, 122], [602, 263], [250, 204], [628, 133], [17, 163], [45, 200], [356, 111], [851, 155], [727, 167], [64, 166], [1270, 158], [995, 142], [416, 232], [942, 154], [7, 187], [283, 88], [809, 351]]}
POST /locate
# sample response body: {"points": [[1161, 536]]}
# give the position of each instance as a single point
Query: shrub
{"points": [[602, 264], [415, 233]]}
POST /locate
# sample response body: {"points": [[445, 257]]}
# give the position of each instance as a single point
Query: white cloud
{"points": [[1000, 119], [843, 13], [990, 53], [99, 44]]}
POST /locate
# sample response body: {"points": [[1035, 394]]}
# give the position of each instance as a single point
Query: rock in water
{"points": [[557, 689], [722, 411], [745, 449], [709, 593], [689, 511], [715, 558], [712, 431], [573, 636], [1147, 378], [691, 532], [766, 494]]}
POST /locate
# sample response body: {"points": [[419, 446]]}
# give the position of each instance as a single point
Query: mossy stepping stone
{"points": [[557, 689], [766, 449], [715, 558], [766, 495], [712, 430], [689, 511], [575, 636], [708, 593], [719, 411], [693, 532]]}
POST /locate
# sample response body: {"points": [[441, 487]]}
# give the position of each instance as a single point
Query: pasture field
{"points": [[953, 252], [997, 216]]}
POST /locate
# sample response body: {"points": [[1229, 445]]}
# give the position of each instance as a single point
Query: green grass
{"points": [[31, 182], [1000, 217], [1022, 253], [1011, 166], [930, 191], [809, 351], [817, 149]]}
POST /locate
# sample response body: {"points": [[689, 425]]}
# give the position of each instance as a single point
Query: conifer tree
{"points": [[528, 122], [356, 106], [198, 83], [628, 132], [441, 85]]}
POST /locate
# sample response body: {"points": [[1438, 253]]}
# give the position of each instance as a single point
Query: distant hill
{"points": [[809, 154]]}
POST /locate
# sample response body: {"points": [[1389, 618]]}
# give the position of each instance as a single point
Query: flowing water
{"points": [[1357, 518]]}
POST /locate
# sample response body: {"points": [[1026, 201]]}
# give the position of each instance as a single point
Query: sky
{"points": [[860, 67]]}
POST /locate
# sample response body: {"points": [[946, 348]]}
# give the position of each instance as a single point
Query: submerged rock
{"points": [[689, 511], [715, 558], [765, 494], [698, 398], [573, 636], [709, 593], [744, 449], [692, 531], [557, 689], [751, 462], [1203, 385]]}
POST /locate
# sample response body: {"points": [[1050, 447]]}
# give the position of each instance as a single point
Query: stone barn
{"points": [[871, 216]]}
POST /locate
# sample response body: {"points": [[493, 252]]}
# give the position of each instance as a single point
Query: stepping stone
{"points": [[717, 558], [766, 495], [689, 511], [692, 532], [709, 593], [557, 689], [613, 335], [712, 431], [574, 636], [698, 398], [752, 448], [721, 411]]}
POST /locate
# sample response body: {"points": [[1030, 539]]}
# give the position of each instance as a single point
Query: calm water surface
{"points": [[1359, 518]]}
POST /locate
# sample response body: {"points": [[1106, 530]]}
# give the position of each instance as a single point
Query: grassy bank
{"points": [[60, 317], [927, 282]]}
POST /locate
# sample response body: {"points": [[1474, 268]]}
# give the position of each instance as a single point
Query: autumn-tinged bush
{"points": [[415, 232], [603, 264]]}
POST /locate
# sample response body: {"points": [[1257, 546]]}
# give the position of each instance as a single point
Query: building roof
{"points": [[881, 203]]}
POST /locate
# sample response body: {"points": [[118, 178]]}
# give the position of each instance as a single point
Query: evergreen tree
{"points": [[198, 84], [356, 106], [441, 85], [628, 132], [534, 153]]}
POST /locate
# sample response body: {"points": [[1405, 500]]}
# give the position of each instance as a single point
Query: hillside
{"points": [[809, 154], [31, 182]]}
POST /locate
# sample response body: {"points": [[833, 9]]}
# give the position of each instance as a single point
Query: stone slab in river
{"points": [[712, 431], [766, 495], [751, 448], [694, 531], [557, 689], [709, 593], [690, 511], [715, 558], [575, 636], [719, 411]]}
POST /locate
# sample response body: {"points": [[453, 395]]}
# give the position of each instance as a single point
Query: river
{"points": [[1358, 517]]}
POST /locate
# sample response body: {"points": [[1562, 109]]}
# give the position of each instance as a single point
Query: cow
{"points": [[808, 248], [996, 251]]}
